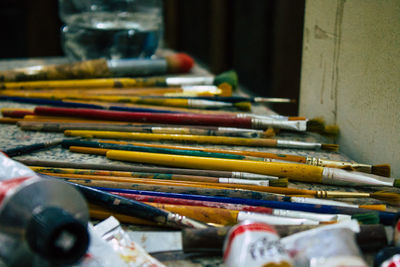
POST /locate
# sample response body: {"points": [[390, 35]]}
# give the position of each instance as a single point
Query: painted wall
{"points": [[351, 75]]}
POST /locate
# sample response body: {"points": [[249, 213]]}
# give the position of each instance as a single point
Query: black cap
{"points": [[57, 236], [384, 254]]}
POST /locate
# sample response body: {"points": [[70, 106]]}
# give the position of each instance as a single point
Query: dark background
{"points": [[260, 39]]}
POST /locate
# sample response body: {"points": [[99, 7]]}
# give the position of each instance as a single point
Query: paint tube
{"points": [[11, 169], [387, 257], [328, 246], [42, 221], [254, 244], [128, 251], [396, 234]]}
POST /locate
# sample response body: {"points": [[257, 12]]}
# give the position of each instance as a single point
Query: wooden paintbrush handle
{"points": [[82, 69], [179, 118]]}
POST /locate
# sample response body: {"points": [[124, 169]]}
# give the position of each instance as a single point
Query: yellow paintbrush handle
{"points": [[297, 172]]}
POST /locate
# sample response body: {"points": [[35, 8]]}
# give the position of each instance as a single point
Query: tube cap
{"points": [[57, 236]]}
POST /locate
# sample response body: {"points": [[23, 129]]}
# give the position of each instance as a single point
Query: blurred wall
{"points": [[29, 28], [261, 40], [350, 75]]}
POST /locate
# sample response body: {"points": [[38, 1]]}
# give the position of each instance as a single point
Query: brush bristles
{"points": [[270, 132], [283, 182], [382, 170], [316, 125], [330, 147], [367, 218], [389, 197], [331, 130], [229, 77], [226, 89], [246, 106], [396, 183]]}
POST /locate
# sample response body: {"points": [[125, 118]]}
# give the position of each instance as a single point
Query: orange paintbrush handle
{"points": [[203, 214]]}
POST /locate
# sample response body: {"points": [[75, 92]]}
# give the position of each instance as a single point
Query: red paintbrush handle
{"points": [[167, 118]]}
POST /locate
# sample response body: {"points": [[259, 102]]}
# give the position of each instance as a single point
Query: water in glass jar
{"points": [[112, 35]]}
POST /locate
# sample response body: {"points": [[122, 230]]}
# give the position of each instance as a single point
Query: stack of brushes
{"points": [[200, 157]]}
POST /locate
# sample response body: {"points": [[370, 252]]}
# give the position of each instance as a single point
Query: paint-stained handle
{"points": [[77, 70]]}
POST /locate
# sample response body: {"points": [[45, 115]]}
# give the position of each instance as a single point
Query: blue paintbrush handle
{"points": [[387, 218]]}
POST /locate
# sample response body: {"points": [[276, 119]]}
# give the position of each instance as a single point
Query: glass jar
{"points": [[111, 29]]}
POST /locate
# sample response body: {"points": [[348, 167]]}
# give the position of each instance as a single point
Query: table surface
{"points": [[12, 136]]}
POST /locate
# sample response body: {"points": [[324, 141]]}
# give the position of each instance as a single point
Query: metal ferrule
{"points": [[243, 181], [182, 81], [259, 123], [297, 144], [181, 221], [317, 201], [139, 67], [200, 103], [253, 176], [333, 194], [272, 100], [250, 133], [338, 164], [276, 160], [310, 215], [342, 177], [274, 220]]}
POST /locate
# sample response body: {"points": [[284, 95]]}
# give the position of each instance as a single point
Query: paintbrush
{"points": [[236, 99], [193, 182], [128, 147], [115, 98], [224, 216], [124, 182], [297, 172], [164, 179], [175, 63], [16, 112], [381, 170], [229, 77], [393, 198], [193, 130], [101, 213], [26, 149], [9, 120], [287, 203], [201, 139], [70, 104], [246, 208], [134, 208], [183, 118], [101, 147], [134, 173], [154, 169], [230, 217]]}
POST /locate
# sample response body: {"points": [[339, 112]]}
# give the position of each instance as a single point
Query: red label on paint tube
{"points": [[254, 244], [396, 234], [392, 262], [8, 185]]}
